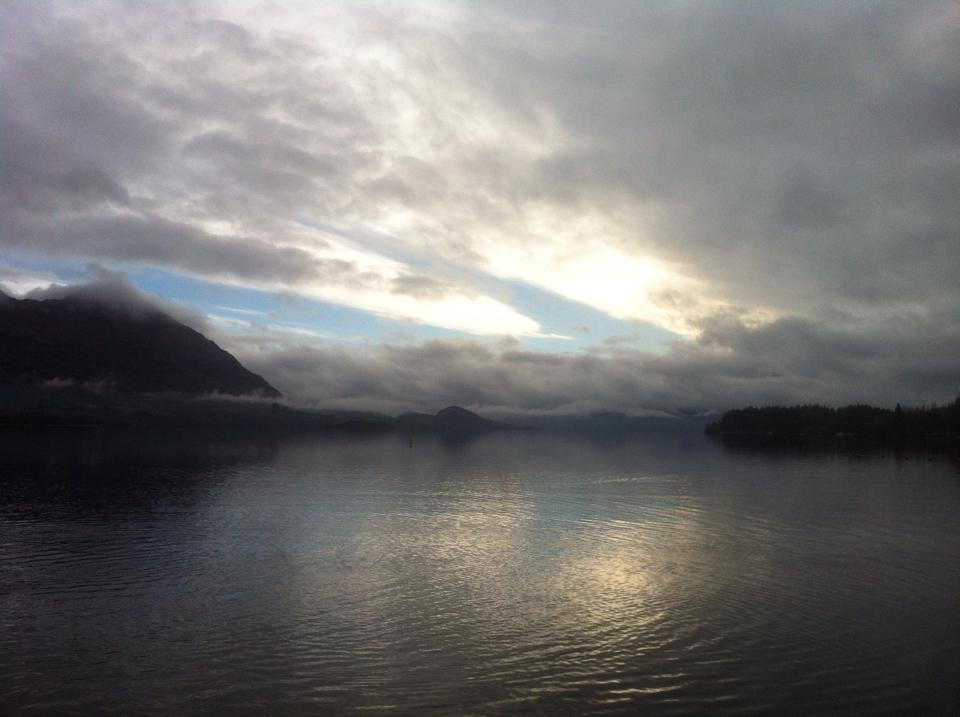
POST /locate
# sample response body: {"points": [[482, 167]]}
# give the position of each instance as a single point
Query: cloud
{"points": [[195, 145], [757, 147], [611, 156], [789, 170], [113, 291], [732, 364]]}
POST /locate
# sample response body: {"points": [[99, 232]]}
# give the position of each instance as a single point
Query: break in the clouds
{"points": [[788, 171]]}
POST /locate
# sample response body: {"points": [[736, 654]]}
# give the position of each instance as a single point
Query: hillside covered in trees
{"points": [[860, 420]]}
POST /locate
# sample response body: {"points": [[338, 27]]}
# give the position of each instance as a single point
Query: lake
{"points": [[514, 573]]}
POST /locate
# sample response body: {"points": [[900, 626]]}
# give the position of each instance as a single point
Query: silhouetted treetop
{"points": [[857, 419]]}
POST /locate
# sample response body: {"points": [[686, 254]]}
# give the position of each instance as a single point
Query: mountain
{"points": [[460, 420], [77, 341], [452, 419]]}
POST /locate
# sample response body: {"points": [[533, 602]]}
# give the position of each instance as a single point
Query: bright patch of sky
{"points": [[567, 325]]}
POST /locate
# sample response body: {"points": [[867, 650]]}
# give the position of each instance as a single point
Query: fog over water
{"points": [[519, 572]]}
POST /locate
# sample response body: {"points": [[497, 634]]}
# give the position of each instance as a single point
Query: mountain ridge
{"points": [[452, 419], [74, 340]]}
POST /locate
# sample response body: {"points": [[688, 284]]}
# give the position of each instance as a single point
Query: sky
{"points": [[546, 207]]}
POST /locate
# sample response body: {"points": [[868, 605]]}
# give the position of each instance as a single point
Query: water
{"points": [[517, 573]]}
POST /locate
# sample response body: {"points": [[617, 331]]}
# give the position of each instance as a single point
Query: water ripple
{"points": [[366, 577]]}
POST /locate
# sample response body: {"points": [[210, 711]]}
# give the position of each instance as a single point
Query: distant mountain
{"points": [[455, 419], [452, 419], [74, 340]]}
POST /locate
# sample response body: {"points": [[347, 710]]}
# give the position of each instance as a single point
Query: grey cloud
{"points": [[780, 149], [113, 291], [181, 120], [92, 184], [136, 238], [36, 178], [773, 140], [420, 286], [272, 129], [802, 157], [805, 202], [788, 361]]}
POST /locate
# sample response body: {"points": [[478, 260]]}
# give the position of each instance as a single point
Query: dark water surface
{"points": [[514, 573]]}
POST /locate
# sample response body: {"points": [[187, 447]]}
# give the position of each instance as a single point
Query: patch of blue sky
{"points": [[566, 325], [324, 319], [580, 325], [230, 302], [222, 300], [62, 270]]}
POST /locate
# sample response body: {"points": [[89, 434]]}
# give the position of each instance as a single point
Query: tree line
{"points": [[859, 419]]}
